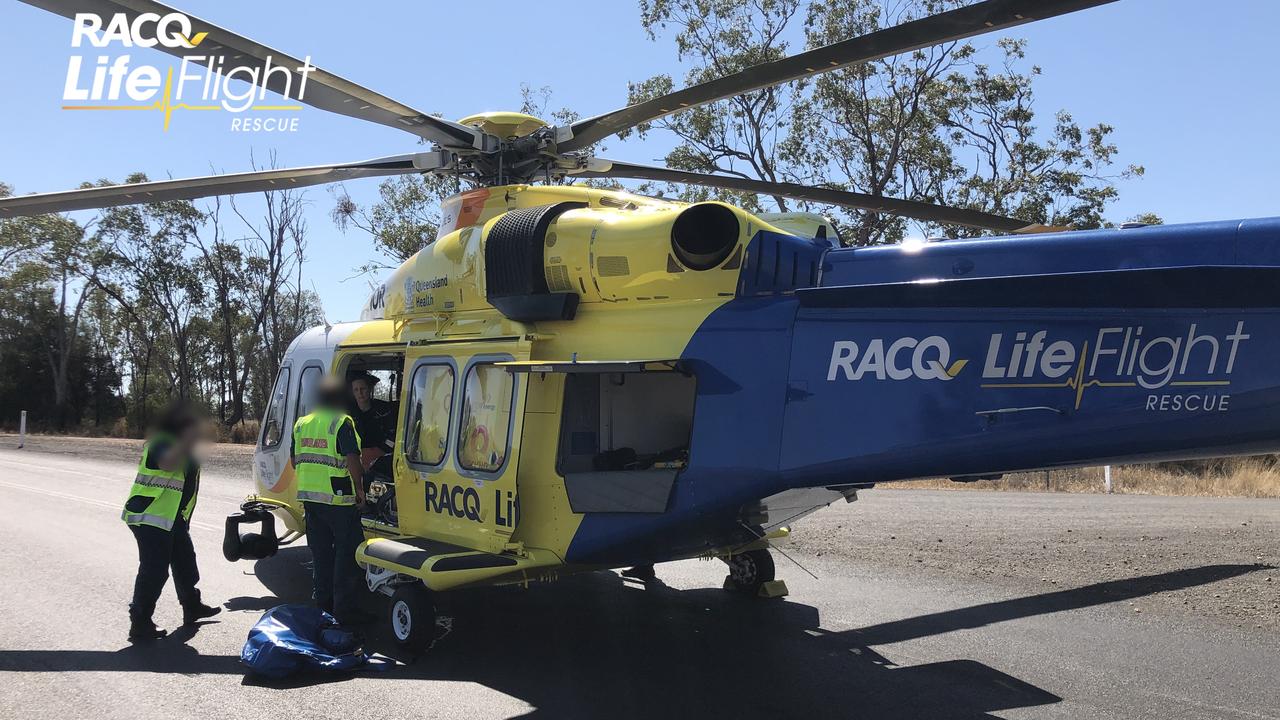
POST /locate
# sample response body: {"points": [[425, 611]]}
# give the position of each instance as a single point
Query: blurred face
{"points": [[194, 433], [362, 392]]}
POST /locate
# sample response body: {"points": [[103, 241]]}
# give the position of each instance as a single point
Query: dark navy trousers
{"points": [[333, 534], [160, 551]]}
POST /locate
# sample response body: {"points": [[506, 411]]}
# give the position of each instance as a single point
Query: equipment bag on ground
{"points": [[291, 638]]}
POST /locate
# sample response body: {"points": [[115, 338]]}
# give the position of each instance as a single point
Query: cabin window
{"points": [[387, 387], [626, 421], [430, 406], [483, 432], [308, 384], [273, 427]]}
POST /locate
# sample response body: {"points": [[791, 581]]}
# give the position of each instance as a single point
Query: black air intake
{"points": [[515, 279]]}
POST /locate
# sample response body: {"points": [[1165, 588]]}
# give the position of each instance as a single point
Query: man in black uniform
{"points": [[159, 514], [325, 458], [375, 420]]}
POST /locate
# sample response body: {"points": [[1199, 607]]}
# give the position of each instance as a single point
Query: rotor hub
{"points": [[504, 125]]}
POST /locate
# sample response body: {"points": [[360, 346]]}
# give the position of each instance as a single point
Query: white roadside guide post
{"points": [[1106, 477], [22, 429]]}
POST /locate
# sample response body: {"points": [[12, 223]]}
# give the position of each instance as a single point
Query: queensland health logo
{"points": [[208, 77]]}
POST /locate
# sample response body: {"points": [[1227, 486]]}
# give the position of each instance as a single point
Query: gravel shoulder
{"points": [[1037, 543], [232, 460], [1028, 543]]}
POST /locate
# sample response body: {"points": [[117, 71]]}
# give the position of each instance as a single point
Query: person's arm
{"points": [[357, 476], [172, 460], [349, 447], [165, 455]]}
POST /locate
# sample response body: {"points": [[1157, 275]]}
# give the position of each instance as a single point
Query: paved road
{"points": [[865, 641]]}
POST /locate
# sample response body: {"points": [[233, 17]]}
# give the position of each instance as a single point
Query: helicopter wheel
{"points": [[748, 571], [412, 617]]}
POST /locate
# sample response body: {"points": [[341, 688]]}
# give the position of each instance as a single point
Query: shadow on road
{"points": [[168, 655], [1101, 593], [593, 646]]}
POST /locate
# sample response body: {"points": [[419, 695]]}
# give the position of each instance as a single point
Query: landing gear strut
{"points": [[751, 572]]}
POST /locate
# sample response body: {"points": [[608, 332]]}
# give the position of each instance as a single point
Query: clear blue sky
{"points": [[1190, 87]]}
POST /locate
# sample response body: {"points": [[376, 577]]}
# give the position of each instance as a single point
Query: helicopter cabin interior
{"points": [[623, 438], [386, 368]]}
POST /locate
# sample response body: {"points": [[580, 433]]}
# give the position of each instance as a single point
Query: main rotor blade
{"points": [[892, 206], [324, 90], [982, 17], [192, 188]]}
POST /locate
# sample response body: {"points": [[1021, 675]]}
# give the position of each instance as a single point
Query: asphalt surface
{"points": [[896, 625]]}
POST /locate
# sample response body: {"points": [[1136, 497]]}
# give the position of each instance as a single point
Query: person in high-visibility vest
{"points": [[326, 462], [158, 513]]}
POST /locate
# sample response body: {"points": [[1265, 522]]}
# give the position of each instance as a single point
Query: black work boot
{"points": [[145, 631], [195, 613]]}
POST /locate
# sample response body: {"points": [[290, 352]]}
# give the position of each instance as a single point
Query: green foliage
{"points": [[1146, 218], [102, 325], [933, 125], [738, 136], [405, 218], [1062, 177]]}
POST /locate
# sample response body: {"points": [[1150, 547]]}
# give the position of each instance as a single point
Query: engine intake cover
{"points": [[515, 280]]}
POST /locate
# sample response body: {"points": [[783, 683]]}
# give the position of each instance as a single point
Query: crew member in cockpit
{"points": [[375, 420]]}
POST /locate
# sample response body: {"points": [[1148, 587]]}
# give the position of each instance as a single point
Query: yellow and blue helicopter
{"points": [[586, 378]]}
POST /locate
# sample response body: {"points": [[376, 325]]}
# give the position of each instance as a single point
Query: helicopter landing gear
{"points": [[752, 573], [412, 617]]}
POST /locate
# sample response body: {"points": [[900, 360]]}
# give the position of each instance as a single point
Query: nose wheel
{"points": [[750, 572], [412, 617]]}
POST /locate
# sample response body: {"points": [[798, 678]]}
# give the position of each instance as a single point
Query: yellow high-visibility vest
{"points": [[321, 471], [163, 487]]}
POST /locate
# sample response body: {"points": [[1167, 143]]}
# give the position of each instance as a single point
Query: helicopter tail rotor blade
{"points": [[958, 24], [199, 187], [323, 90], [597, 168]]}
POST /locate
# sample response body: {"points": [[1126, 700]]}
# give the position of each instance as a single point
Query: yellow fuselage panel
{"points": [[616, 250]]}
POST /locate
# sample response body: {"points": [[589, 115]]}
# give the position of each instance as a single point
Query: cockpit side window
{"points": [[273, 425]]}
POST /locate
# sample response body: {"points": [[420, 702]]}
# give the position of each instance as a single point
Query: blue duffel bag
{"points": [[291, 638]]}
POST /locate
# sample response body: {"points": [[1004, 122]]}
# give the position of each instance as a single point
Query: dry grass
{"points": [[245, 432], [117, 429], [1257, 476]]}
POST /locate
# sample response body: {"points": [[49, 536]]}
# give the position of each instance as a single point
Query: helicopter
{"points": [[586, 378]]}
